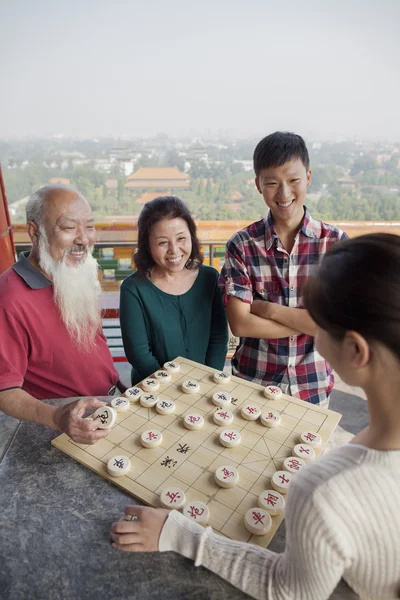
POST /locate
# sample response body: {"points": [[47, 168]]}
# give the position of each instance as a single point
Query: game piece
{"points": [[221, 377], [164, 407], [293, 464], [270, 418], [162, 376], [271, 501], [280, 481], [221, 399], [118, 466], [272, 392], [172, 367], [226, 476], [311, 438], [173, 498], [191, 386], [229, 438], [150, 384], [128, 518], [193, 421], [149, 400], [250, 412], [104, 417], [133, 393], [304, 451], [257, 521], [120, 404], [151, 438], [197, 511], [223, 417]]}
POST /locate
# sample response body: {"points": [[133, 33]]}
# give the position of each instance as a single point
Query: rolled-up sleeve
{"points": [[234, 279]]}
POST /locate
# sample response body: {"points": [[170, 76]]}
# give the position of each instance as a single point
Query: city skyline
{"points": [[134, 70]]}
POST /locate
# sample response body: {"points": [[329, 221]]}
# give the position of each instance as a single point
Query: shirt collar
{"points": [[30, 274], [310, 227]]}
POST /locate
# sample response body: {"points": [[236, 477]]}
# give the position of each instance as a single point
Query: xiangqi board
{"points": [[188, 459]]}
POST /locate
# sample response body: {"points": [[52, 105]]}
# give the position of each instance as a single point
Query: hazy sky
{"points": [[323, 68]]}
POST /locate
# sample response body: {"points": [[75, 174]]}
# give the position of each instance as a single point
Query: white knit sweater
{"points": [[342, 520]]}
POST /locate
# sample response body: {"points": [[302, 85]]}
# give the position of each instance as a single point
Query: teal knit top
{"points": [[157, 327]]}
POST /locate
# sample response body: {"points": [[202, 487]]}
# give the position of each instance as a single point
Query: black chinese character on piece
{"points": [[103, 417]]}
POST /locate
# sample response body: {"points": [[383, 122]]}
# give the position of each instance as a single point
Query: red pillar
{"points": [[7, 248]]}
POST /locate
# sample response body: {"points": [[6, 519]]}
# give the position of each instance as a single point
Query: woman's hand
{"points": [[141, 534]]}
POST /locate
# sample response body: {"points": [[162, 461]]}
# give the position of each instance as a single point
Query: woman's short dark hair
{"points": [[357, 288], [164, 207]]}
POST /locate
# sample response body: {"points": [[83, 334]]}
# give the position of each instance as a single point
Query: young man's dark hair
{"points": [[279, 148]]}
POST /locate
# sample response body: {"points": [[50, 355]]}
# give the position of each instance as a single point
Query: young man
{"points": [[266, 267]]}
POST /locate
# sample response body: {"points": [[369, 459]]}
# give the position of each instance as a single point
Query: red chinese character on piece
{"points": [[193, 419], [283, 479], [310, 436], [258, 517], [294, 464], [251, 410], [306, 450], [227, 473], [271, 416], [195, 512], [223, 415], [272, 390], [151, 436], [230, 434], [271, 499], [174, 496]]}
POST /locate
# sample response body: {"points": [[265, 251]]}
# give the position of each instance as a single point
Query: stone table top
{"points": [[55, 532]]}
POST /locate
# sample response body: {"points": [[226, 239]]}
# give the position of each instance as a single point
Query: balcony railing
{"points": [[209, 249]]}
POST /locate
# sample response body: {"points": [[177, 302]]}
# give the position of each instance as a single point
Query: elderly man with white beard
{"points": [[51, 343]]}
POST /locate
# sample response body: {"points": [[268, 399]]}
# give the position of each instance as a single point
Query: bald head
{"points": [[63, 218], [46, 196]]}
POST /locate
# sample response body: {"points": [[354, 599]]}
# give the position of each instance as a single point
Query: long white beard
{"points": [[76, 293]]}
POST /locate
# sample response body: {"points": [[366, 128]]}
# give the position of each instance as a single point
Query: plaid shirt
{"points": [[258, 267]]}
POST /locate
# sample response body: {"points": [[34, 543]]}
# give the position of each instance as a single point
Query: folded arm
{"points": [[297, 319], [244, 323]]}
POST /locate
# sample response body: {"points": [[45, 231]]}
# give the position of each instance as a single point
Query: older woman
{"points": [[171, 306]]}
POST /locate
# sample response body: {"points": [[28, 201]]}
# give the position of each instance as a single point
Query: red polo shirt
{"points": [[37, 353]]}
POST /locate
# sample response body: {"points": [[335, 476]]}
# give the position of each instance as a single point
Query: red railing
{"points": [[7, 248]]}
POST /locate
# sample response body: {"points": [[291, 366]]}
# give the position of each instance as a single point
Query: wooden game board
{"points": [[188, 459]]}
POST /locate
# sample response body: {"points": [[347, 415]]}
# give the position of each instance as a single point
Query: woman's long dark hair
{"points": [[357, 288], [164, 207]]}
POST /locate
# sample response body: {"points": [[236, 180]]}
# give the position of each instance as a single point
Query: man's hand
{"points": [[141, 535], [69, 418]]}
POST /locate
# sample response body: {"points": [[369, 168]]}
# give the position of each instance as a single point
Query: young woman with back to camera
{"points": [[342, 513]]}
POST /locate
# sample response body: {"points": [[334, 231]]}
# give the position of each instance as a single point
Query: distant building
{"points": [[247, 165], [147, 196], [347, 182], [237, 196], [381, 159], [157, 180], [112, 187], [60, 180]]}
